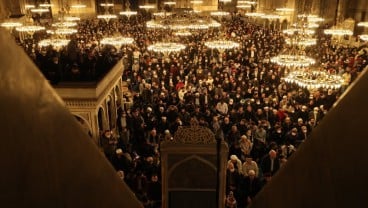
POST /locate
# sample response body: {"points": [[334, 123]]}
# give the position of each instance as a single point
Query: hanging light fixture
{"points": [[107, 4], [338, 32], [221, 44], [225, 1], [128, 13], [117, 42], [363, 24], [55, 43], [170, 3], [47, 5], [166, 47], [293, 31], [243, 6], [65, 31], [247, 2], [40, 10], [64, 24], [147, 6], [219, 13], [10, 24], [363, 37], [29, 28], [71, 18], [313, 79], [284, 9]]}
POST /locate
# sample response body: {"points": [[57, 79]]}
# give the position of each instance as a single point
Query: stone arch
{"points": [[187, 179], [101, 119], [284, 24], [110, 111], [118, 95]]}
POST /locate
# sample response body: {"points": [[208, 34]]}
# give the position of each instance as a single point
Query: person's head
{"points": [[287, 120], [294, 131], [234, 128], [121, 174], [107, 133], [248, 159], [267, 176], [315, 109], [272, 154], [154, 178], [304, 129], [119, 152], [300, 121], [251, 174], [243, 138], [233, 158]]}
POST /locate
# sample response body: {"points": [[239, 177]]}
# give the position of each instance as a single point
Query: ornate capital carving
{"points": [[193, 135]]}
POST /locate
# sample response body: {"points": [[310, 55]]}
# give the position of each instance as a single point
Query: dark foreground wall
{"points": [[331, 168], [46, 159]]}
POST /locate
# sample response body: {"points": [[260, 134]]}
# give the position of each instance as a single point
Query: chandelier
{"points": [[307, 25], [196, 2], [128, 13], [65, 31], [170, 3], [220, 13], [183, 24], [117, 41], [71, 18], [11, 24], [314, 79], [55, 43], [29, 28], [284, 9], [166, 47], [107, 17], [293, 31], [291, 60], [64, 24], [221, 44], [78, 6], [46, 5], [40, 10], [363, 24], [364, 37], [246, 2], [162, 14], [338, 32], [304, 41], [107, 4], [147, 7]]}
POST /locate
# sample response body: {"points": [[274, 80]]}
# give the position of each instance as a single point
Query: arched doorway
{"points": [[110, 111], [100, 119], [118, 96]]}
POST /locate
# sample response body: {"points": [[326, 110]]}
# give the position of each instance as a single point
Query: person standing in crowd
{"points": [[270, 163]]}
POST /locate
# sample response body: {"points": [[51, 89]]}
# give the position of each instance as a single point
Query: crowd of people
{"points": [[238, 94]]}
